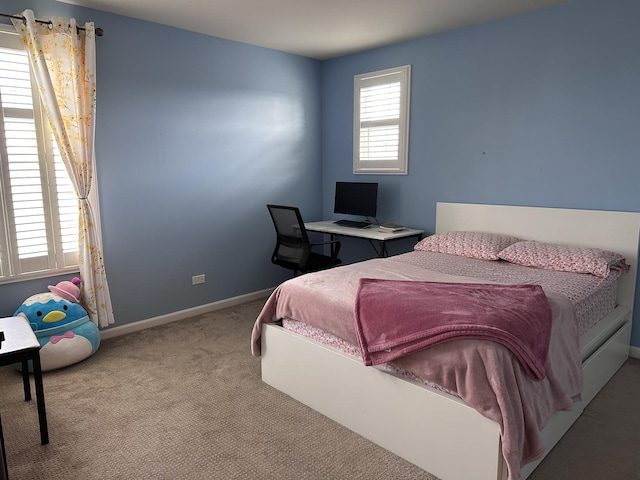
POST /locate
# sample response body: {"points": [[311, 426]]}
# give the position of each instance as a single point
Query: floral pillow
{"points": [[480, 245], [564, 258]]}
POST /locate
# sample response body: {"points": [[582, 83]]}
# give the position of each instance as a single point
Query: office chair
{"points": [[293, 248]]}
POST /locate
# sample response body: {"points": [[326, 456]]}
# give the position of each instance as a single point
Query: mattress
{"points": [[592, 297]]}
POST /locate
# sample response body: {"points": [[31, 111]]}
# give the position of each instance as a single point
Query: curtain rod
{"points": [[99, 31]]}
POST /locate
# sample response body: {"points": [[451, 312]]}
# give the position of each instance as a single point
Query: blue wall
{"points": [[540, 109], [194, 136]]}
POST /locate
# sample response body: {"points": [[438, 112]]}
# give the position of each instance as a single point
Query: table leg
{"points": [[25, 380], [4, 472], [332, 237], [374, 244], [42, 413]]}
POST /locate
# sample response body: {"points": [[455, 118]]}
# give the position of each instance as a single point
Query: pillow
{"points": [[564, 258], [480, 245]]}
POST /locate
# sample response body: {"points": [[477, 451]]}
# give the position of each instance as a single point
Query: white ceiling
{"points": [[319, 29]]}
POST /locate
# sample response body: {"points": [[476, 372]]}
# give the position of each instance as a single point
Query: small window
{"points": [[381, 123], [38, 205]]}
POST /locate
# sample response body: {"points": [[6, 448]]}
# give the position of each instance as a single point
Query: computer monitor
{"points": [[356, 198]]}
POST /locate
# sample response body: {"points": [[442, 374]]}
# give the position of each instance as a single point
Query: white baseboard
{"points": [[182, 314], [634, 352]]}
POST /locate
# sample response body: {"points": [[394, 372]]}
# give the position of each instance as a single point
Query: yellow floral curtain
{"points": [[64, 63]]}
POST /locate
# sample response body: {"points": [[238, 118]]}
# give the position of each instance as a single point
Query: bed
{"points": [[430, 426]]}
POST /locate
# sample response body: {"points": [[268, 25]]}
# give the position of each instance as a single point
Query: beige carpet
{"points": [[185, 401]]}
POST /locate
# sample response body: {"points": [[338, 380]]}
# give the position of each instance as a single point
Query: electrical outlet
{"points": [[197, 279]]}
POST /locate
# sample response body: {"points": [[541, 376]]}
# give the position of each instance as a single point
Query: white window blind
{"points": [[39, 227], [381, 123]]}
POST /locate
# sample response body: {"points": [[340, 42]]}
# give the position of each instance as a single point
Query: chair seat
{"points": [[317, 261]]}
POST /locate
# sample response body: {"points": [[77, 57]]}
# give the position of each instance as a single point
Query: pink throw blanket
{"points": [[395, 317]]}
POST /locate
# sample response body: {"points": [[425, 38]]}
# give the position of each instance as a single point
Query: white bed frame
{"points": [[432, 429]]}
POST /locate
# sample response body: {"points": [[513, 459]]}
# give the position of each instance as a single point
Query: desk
{"points": [[370, 233], [21, 345]]}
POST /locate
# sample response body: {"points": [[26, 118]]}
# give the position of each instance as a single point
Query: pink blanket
{"points": [[485, 374], [396, 317]]}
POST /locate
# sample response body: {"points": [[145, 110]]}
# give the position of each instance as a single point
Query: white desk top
{"points": [[371, 233], [18, 335]]}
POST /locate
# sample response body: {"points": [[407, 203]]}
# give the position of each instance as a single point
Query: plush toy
{"points": [[62, 325]]}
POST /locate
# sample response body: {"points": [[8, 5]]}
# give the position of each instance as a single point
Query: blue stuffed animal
{"points": [[63, 327]]}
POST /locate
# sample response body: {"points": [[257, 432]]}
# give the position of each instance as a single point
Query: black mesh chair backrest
{"points": [[292, 246]]}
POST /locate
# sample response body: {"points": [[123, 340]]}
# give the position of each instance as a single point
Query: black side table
{"points": [[21, 345], [4, 473]]}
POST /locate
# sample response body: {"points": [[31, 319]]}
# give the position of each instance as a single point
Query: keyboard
{"points": [[352, 223]]}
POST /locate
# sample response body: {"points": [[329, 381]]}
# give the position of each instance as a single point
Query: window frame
{"points": [[398, 165], [56, 261]]}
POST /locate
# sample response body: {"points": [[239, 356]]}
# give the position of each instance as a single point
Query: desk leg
{"points": [[383, 250], [42, 413], [4, 472], [382, 253], [332, 237], [25, 380]]}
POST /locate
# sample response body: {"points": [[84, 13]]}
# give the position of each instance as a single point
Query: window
{"points": [[381, 123], [38, 206]]}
